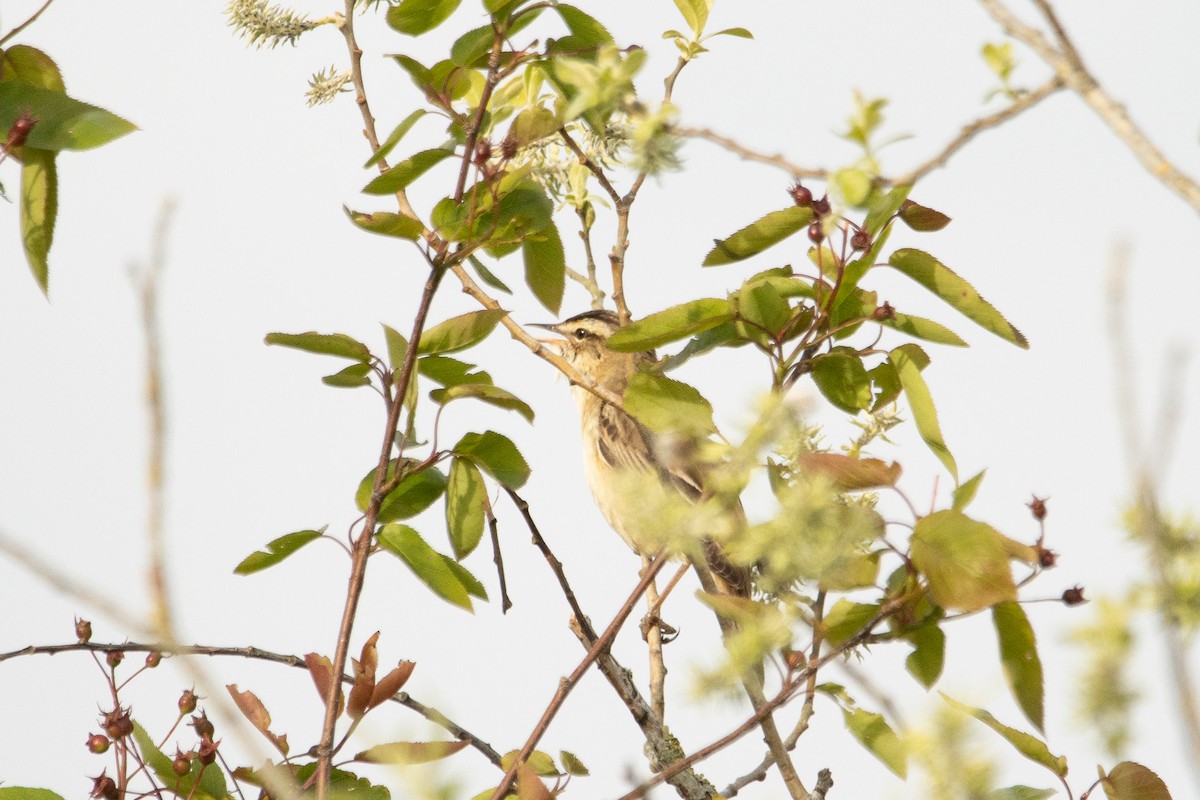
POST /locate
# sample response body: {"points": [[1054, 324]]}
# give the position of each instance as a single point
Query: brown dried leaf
{"points": [[391, 683], [849, 473], [254, 710], [364, 679], [530, 786], [321, 670]]}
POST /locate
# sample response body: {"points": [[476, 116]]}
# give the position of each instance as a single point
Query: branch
{"points": [[26, 23], [258, 654], [732, 145], [1069, 67]]}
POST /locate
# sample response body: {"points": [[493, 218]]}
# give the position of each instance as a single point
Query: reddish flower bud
{"points": [[98, 743], [207, 753], [800, 194], [1073, 596], [1038, 507], [114, 657], [509, 148], [19, 131], [821, 207], [104, 787], [1047, 558], [83, 630], [153, 659], [483, 151], [187, 702], [795, 660], [204, 728], [182, 764], [117, 723], [860, 240], [884, 312], [816, 234]]}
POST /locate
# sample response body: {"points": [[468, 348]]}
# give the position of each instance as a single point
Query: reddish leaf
{"points": [[321, 670], [851, 473], [253, 709], [391, 683], [364, 679]]}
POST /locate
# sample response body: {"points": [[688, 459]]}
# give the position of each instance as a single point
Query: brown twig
{"points": [[566, 685], [1069, 67], [257, 654], [654, 649], [26, 23], [737, 148], [497, 557]]}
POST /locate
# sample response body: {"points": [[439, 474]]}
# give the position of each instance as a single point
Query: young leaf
{"points": [[328, 344], [30, 65], [1131, 781], [546, 267], [465, 498], [963, 561], [415, 17], [761, 303], [496, 455], [922, 218], [405, 753], [473, 46], [842, 379], [960, 295], [921, 328], [909, 360], [394, 137], [487, 276], [320, 669], [586, 32], [1019, 657], [928, 657], [1020, 793], [666, 405], [253, 709], [27, 793], [39, 210], [387, 686], [415, 493], [351, 377], [572, 764], [63, 123], [407, 171], [469, 581], [758, 236], [873, 733], [201, 782], [425, 562], [1029, 746], [484, 392], [671, 324], [532, 124], [397, 347], [450, 371], [364, 679], [459, 333], [386, 223], [846, 619], [695, 13], [277, 550], [964, 493]]}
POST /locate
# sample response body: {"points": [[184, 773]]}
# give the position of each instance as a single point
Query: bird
{"points": [[615, 443]]}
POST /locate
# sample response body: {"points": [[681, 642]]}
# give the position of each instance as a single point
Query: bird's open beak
{"points": [[553, 328]]}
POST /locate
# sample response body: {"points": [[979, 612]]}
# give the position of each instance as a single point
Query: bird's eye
{"points": [[581, 333]]}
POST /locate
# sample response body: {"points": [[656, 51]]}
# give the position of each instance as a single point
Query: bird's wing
{"points": [[625, 443]]}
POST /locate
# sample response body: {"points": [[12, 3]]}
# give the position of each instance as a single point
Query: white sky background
{"points": [[258, 447]]}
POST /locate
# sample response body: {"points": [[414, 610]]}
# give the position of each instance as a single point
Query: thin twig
{"points": [[1067, 64], [566, 685], [257, 654], [737, 148], [497, 557], [26, 23]]}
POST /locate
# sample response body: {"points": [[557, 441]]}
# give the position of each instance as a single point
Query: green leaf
{"points": [[873, 733], [351, 377], [572, 764], [964, 493], [201, 782], [539, 761], [496, 455], [886, 384], [459, 333], [63, 123], [533, 123], [963, 561], [387, 223], [740, 33], [30, 65], [926, 661], [960, 295], [671, 324], [664, 405], [883, 207], [1019, 657], [846, 619], [1131, 781], [843, 381], [450, 371], [27, 793], [394, 137], [39, 210], [1029, 746], [487, 276], [405, 753], [586, 32], [469, 581], [401, 175], [852, 185], [473, 47], [327, 344], [415, 492], [761, 303], [425, 562], [921, 218], [546, 267], [465, 498], [908, 361], [695, 13], [277, 550], [484, 392], [758, 236], [415, 17], [1019, 793], [921, 328], [397, 347]]}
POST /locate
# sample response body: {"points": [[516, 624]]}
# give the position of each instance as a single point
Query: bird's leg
{"points": [[652, 619]]}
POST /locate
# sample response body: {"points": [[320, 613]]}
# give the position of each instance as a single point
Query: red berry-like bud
{"points": [[1038, 507], [483, 151], [509, 148], [821, 207], [19, 131], [98, 743], [801, 195], [104, 787], [204, 728], [1047, 558], [83, 630], [114, 657], [182, 764], [207, 752], [153, 659], [884, 312], [187, 702], [1073, 596], [816, 234], [795, 660], [860, 240], [117, 723]]}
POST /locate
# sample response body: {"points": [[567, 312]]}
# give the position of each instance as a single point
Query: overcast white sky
{"points": [[258, 447]]}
